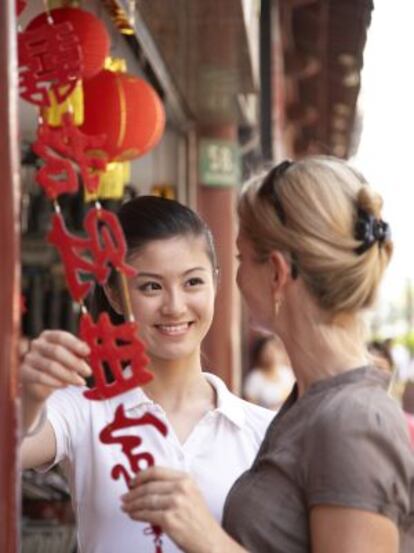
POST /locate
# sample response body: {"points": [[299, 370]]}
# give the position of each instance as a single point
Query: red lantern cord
{"points": [[71, 143], [112, 346], [50, 59], [103, 249]]}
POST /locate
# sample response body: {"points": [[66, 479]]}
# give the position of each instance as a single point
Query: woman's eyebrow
{"points": [[194, 269], [146, 274]]}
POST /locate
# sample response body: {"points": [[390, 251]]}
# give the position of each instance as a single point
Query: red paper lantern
{"points": [[92, 34], [50, 60], [127, 110]]}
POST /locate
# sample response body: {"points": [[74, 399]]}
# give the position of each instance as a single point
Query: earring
{"points": [[276, 306]]}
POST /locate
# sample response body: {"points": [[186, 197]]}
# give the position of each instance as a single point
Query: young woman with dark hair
{"points": [[212, 434]]}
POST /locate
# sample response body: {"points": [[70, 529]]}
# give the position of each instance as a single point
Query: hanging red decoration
{"points": [[50, 59], [110, 434], [111, 346], [127, 110], [57, 176], [103, 248], [93, 37], [20, 6], [71, 143]]}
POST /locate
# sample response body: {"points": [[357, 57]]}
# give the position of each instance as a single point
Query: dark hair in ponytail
{"points": [[147, 218]]}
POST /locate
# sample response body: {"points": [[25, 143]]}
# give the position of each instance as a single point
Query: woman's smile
{"points": [[174, 329]]}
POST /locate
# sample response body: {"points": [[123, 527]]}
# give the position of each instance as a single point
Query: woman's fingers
{"points": [[156, 474], [153, 496], [154, 517], [61, 354], [67, 340], [33, 376], [152, 502], [159, 489], [56, 359], [45, 366], [155, 487]]}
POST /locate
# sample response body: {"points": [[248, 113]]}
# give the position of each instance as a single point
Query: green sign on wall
{"points": [[219, 163]]}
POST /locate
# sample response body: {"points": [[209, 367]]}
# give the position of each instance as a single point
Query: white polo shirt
{"points": [[221, 446]]}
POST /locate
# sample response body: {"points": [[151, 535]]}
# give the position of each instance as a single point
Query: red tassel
{"points": [[158, 544]]}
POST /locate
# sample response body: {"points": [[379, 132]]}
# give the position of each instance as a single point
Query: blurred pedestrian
{"points": [[381, 354], [270, 380]]}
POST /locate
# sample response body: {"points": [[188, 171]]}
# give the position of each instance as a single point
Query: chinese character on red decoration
{"points": [[137, 461], [113, 347], [50, 59], [61, 146], [104, 248], [129, 443]]}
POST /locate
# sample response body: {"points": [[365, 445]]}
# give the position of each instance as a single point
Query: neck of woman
{"points": [[320, 347], [179, 384]]}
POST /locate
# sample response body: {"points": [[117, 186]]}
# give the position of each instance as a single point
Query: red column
{"points": [[217, 205], [9, 280]]}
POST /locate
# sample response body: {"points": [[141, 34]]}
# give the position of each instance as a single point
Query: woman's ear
{"points": [[113, 298], [280, 271]]}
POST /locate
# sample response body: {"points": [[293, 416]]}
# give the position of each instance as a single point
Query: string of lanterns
{"points": [[93, 119]]}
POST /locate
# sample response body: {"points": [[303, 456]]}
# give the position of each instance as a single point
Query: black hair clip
{"points": [[269, 187], [369, 229]]}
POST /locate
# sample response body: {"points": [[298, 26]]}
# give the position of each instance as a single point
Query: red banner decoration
{"points": [[103, 249], [57, 176], [110, 435], [112, 346], [50, 58], [58, 147]]}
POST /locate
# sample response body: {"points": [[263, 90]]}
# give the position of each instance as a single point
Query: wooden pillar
{"points": [[9, 280], [217, 205]]}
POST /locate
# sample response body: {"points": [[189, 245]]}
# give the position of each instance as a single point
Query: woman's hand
{"points": [[55, 359], [170, 499]]}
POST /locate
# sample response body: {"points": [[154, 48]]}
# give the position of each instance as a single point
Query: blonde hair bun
{"points": [[322, 199]]}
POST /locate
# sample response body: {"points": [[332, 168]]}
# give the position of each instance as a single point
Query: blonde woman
{"points": [[335, 472]]}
